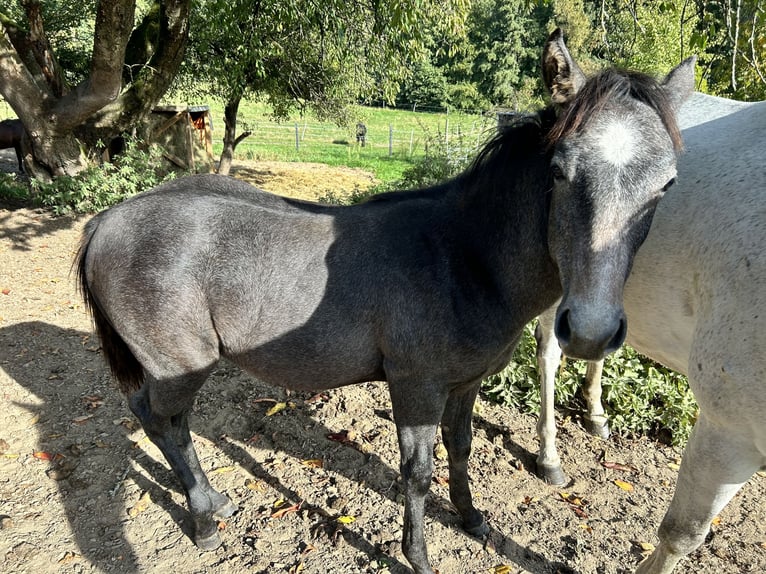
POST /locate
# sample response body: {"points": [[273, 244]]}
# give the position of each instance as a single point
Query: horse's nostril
{"points": [[619, 337], [563, 329]]}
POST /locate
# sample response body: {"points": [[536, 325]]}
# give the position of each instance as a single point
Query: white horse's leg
{"points": [[714, 467], [595, 420], [548, 360]]}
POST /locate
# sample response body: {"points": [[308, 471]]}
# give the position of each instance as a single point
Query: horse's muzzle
{"points": [[583, 336]]}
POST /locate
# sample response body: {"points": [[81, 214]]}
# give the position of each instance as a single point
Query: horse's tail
{"points": [[122, 362]]}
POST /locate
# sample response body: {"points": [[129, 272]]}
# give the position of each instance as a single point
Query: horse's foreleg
{"points": [[171, 435], [714, 467], [595, 419], [457, 435], [417, 409], [548, 360]]}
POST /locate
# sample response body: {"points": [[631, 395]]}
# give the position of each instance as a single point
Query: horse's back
{"points": [[266, 279], [696, 296]]}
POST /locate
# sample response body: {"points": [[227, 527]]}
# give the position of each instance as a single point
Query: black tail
{"points": [[122, 362]]}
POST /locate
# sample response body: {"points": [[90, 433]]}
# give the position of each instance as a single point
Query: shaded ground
{"points": [[82, 489]]}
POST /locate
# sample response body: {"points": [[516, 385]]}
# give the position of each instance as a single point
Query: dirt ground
{"points": [[316, 483]]}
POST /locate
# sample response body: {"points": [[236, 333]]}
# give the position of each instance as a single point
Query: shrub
{"points": [[137, 169], [640, 396], [12, 188]]}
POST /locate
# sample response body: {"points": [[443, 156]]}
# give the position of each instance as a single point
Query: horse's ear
{"points": [[561, 74], [679, 83]]}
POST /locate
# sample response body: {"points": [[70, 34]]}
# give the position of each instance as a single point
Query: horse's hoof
{"points": [[225, 510], [553, 475], [209, 542], [481, 530], [598, 427]]}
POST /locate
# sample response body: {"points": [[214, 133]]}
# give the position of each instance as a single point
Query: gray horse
{"points": [[428, 290], [695, 302]]}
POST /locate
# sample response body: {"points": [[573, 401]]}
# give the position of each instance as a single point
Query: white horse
{"points": [[696, 302]]}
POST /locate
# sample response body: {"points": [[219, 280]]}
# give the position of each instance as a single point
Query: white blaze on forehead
{"points": [[617, 142]]}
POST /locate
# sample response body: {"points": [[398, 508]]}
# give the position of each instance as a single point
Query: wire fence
{"points": [[403, 140]]}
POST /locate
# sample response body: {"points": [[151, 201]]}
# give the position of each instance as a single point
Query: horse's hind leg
{"points": [[714, 467], [163, 408], [19, 157], [457, 434]]}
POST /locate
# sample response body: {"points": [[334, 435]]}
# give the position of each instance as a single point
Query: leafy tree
{"points": [[731, 34], [71, 97], [426, 87], [300, 53]]}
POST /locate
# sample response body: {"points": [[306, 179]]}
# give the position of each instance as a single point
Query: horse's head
{"points": [[614, 146]]}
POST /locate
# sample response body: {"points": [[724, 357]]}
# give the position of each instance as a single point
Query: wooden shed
{"points": [[185, 133]]}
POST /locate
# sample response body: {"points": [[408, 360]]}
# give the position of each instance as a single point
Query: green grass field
{"points": [[394, 137]]}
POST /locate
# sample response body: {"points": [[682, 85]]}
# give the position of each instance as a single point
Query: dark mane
{"points": [[527, 133], [609, 85]]}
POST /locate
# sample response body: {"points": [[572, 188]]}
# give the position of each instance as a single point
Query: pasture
{"points": [[315, 476]]}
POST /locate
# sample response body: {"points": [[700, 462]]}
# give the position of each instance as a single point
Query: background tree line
{"points": [[81, 75], [494, 62]]}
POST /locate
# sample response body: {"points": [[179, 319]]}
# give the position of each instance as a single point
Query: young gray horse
{"points": [[11, 132], [428, 290], [695, 301]]}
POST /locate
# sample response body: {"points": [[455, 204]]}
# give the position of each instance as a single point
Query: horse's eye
{"points": [[557, 172], [669, 184]]}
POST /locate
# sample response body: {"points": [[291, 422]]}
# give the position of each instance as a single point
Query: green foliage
{"points": [[12, 188], [99, 186], [426, 88], [640, 396]]}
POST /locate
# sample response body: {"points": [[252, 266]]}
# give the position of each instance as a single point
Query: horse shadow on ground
{"points": [[63, 369]]}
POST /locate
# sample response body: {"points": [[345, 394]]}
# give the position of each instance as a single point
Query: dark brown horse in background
{"points": [[11, 132]]}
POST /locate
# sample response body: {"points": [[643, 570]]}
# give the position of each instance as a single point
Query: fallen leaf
{"points": [[500, 569], [346, 519], [313, 463], [347, 438], [716, 520], [67, 557], [255, 485], [4, 446], [572, 499], [645, 546], [81, 420], [441, 480], [223, 469], [6, 291], [618, 466], [143, 503], [92, 401], [673, 466], [276, 409], [626, 486], [440, 452], [40, 455], [282, 511]]}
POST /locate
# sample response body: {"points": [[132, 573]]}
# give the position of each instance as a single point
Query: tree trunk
{"points": [[63, 125], [230, 138]]}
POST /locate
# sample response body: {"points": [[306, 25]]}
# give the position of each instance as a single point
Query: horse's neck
{"points": [[504, 229]]}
